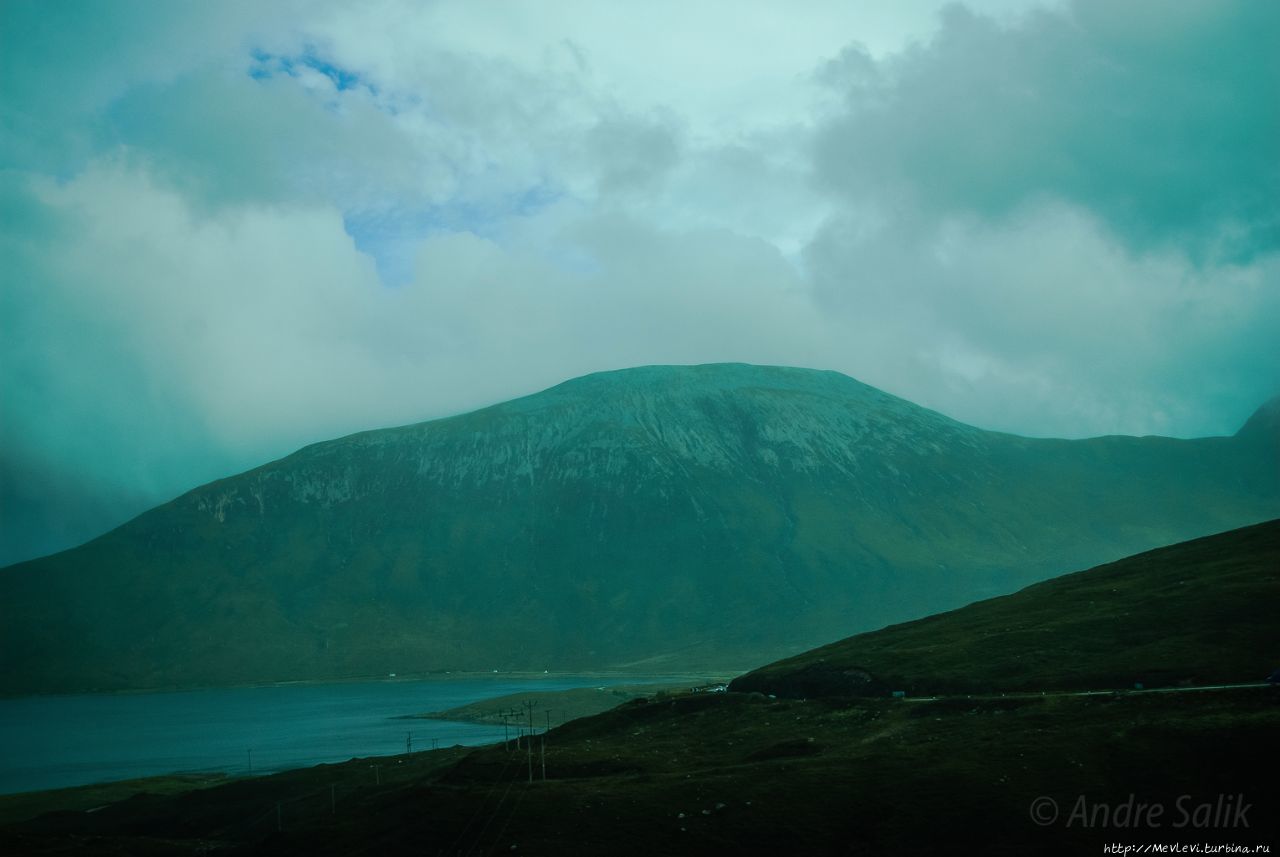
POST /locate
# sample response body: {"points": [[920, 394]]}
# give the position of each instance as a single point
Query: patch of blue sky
{"points": [[391, 236], [267, 65], [389, 241], [535, 199], [342, 78]]}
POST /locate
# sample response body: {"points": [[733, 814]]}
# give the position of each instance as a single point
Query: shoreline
{"points": [[446, 675], [477, 690]]}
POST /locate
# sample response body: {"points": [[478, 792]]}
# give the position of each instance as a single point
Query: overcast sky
{"points": [[233, 229]]}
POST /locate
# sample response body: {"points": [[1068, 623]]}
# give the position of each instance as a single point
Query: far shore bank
{"points": [[556, 707]]}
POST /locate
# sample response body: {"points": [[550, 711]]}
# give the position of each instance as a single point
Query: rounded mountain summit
{"points": [[650, 519]]}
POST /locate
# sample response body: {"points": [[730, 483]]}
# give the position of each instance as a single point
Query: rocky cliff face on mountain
{"points": [[648, 519]]}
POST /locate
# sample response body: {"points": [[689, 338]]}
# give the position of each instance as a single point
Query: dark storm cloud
{"points": [[1159, 118]]}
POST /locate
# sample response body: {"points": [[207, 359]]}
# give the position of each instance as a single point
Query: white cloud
{"points": [[269, 328], [1043, 322]]}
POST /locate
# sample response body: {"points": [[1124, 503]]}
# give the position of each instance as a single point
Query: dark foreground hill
{"points": [[740, 773], [648, 519], [1202, 612]]}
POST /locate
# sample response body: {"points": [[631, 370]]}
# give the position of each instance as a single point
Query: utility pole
{"points": [[543, 750], [408, 742], [250, 752], [529, 705]]}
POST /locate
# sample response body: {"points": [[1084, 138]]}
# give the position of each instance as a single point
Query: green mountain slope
{"points": [[1197, 613], [652, 518]]}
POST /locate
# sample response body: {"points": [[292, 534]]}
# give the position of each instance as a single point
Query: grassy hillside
{"points": [[1202, 612]]}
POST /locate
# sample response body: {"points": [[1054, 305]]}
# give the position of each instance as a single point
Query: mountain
{"points": [[1197, 613], [645, 520]]}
